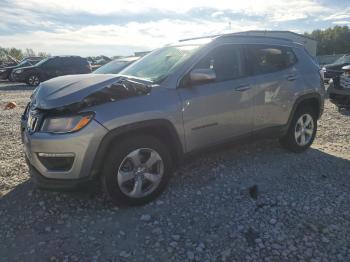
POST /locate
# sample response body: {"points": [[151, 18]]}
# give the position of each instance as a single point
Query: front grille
{"points": [[345, 81]]}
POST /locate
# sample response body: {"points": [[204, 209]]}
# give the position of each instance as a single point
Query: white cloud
{"points": [[342, 22], [44, 30], [106, 39], [277, 10], [343, 14]]}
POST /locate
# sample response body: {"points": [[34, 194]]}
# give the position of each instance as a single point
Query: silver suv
{"points": [[130, 130]]}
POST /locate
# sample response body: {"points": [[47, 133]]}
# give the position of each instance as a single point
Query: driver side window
{"points": [[225, 61]]}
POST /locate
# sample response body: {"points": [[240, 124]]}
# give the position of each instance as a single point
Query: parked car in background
{"points": [[335, 69], [339, 89], [98, 61], [9, 61], [5, 72], [115, 66], [130, 130], [51, 67]]}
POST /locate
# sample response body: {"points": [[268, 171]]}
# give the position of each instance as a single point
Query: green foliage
{"points": [[7, 53], [43, 54], [334, 40]]}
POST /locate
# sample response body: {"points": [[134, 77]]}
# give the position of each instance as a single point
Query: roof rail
{"points": [[199, 37], [236, 34]]}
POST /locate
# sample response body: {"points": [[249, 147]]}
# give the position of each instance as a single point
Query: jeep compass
{"points": [[130, 130]]}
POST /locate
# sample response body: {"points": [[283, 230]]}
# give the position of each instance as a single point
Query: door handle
{"points": [[242, 87], [291, 77]]}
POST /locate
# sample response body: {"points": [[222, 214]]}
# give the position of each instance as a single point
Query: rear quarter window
{"points": [[264, 59]]}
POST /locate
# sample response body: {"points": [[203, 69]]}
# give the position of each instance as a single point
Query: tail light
{"points": [[321, 71], [88, 65]]}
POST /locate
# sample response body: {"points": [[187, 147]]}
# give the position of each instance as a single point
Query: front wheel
{"points": [[33, 80], [136, 170], [302, 130]]}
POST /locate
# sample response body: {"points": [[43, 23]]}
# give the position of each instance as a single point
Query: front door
{"points": [[222, 109]]}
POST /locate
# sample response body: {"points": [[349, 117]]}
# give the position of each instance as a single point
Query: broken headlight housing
{"points": [[66, 124]]}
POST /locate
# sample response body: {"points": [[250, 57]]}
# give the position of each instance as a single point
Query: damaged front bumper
{"points": [[61, 160]]}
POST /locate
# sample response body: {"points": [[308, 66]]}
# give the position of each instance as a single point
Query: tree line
{"points": [[18, 54], [330, 41]]}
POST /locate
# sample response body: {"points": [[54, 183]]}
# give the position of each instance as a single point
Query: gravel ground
{"points": [[252, 202]]}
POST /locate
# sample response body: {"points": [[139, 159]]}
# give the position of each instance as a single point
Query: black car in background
{"points": [[339, 89], [115, 66], [335, 69], [5, 72], [51, 67]]}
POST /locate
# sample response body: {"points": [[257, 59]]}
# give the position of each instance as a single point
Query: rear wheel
{"points": [[33, 80], [302, 130], [136, 170]]}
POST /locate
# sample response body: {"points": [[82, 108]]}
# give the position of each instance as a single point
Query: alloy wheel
{"points": [[34, 80], [304, 130], [140, 172]]}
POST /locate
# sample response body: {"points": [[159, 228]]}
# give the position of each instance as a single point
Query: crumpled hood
{"points": [[72, 89]]}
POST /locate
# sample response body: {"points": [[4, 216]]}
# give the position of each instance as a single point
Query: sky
{"points": [[121, 27]]}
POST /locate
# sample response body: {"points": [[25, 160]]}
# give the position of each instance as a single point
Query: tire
{"points": [[293, 140], [121, 174], [33, 80]]}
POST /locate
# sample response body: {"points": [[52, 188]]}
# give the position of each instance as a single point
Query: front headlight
{"points": [[324, 69], [18, 71], [2, 70], [66, 124]]}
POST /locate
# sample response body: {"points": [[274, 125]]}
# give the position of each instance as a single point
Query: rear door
{"points": [[68, 65], [217, 111], [53, 67], [274, 81]]}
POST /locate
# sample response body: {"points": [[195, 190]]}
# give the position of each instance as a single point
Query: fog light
{"points": [[57, 161]]}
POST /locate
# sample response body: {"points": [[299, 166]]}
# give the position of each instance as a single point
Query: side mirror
{"points": [[202, 75]]}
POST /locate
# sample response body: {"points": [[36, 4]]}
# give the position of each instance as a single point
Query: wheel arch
{"points": [[313, 99], [159, 128]]}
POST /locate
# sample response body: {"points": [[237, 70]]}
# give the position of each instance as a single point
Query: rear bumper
{"points": [[4, 75]]}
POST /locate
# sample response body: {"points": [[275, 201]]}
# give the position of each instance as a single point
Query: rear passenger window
{"points": [[52, 63], [263, 59], [225, 61]]}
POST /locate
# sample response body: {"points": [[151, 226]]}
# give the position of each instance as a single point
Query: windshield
{"points": [[112, 67], [342, 60], [158, 64], [42, 61], [24, 63]]}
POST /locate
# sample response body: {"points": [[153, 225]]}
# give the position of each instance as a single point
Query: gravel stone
{"points": [[145, 218]]}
